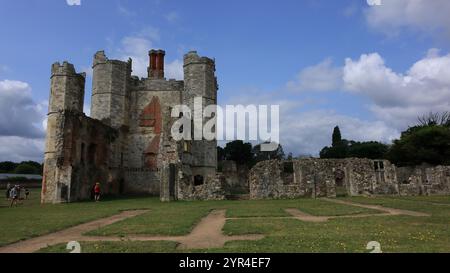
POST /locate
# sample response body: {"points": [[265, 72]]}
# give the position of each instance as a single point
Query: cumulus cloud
{"points": [[174, 70], [19, 114], [320, 77], [17, 149], [22, 123], [420, 15], [400, 98], [396, 99], [307, 132], [137, 46]]}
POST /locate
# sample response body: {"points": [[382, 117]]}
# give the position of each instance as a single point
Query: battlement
{"points": [[100, 58], [192, 57], [149, 84], [66, 69]]}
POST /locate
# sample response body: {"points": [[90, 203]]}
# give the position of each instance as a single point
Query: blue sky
{"points": [[325, 62]]}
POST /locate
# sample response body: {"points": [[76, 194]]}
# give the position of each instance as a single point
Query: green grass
{"points": [[117, 247], [166, 219], [395, 233], [31, 219]]}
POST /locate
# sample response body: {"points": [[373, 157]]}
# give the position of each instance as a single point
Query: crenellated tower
{"points": [[200, 83], [66, 95], [110, 92]]}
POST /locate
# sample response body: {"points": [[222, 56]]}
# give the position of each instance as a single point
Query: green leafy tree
{"points": [[220, 153], [239, 152], [7, 167], [337, 138], [342, 148], [422, 144], [25, 168], [371, 149]]}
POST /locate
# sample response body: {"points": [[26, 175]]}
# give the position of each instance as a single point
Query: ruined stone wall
{"points": [[353, 176], [212, 189], [424, 180], [80, 158], [236, 176]]}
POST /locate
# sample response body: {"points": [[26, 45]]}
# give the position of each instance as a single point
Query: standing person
{"points": [[97, 192], [8, 190], [27, 192], [18, 189], [13, 194]]}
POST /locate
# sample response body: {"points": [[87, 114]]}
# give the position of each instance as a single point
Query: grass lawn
{"points": [[395, 233]]}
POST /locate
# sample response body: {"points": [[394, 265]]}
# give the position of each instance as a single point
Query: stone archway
{"points": [[341, 187]]}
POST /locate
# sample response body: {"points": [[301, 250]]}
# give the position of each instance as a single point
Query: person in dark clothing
{"points": [[27, 193]]}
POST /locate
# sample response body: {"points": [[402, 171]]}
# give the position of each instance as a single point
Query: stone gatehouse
{"points": [[126, 143], [352, 177]]}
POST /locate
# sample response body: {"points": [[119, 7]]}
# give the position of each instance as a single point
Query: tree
{"points": [[7, 167], [24, 168], [239, 152], [259, 155], [422, 144], [342, 148], [36, 165], [220, 154], [442, 119], [336, 138], [371, 149]]}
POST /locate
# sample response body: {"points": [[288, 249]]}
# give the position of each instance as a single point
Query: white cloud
{"points": [[420, 15], [137, 46], [396, 100], [22, 122], [307, 132], [19, 114], [320, 77], [73, 2], [399, 98], [174, 70], [17, 149]]}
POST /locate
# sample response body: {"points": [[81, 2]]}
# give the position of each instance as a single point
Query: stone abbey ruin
{"points": [[126, 144]]}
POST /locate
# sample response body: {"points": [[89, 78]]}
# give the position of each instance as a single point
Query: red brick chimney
{"points": [[156, 64]]}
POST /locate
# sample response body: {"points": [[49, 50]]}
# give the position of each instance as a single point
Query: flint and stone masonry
{"points": [[351, 177], [126, 144]]}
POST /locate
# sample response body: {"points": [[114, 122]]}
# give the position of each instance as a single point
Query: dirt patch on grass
{"points": [[67, 235]]}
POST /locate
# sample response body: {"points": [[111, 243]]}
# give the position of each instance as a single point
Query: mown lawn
{"points": [[394, 233]]}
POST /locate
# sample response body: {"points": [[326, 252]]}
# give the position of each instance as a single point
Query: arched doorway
{"points": [[341, 187]]}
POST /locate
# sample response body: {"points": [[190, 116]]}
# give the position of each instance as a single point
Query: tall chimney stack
{"points": [[156, 65]]}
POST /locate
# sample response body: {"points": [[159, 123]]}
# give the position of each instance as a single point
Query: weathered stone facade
{"points": [[352, 176], [126, 144], [236, 176]]}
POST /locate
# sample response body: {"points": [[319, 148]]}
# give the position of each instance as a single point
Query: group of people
{"points": [[13, 193]]}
